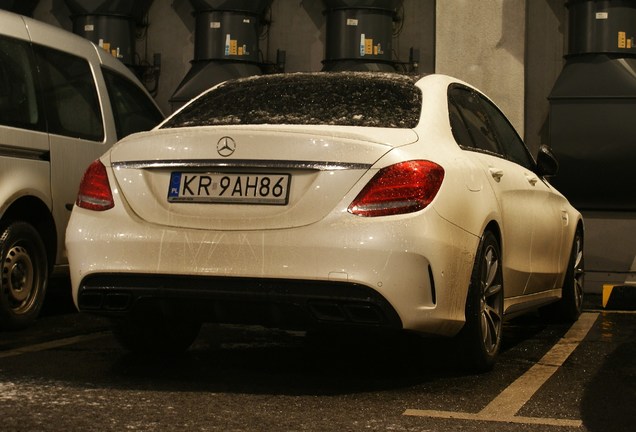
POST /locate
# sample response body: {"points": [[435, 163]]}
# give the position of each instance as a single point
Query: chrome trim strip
{"points": [[24, 153], [240, 163], [518, 304]]}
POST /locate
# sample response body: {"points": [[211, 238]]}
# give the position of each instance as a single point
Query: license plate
{"points": [[229, 188]]}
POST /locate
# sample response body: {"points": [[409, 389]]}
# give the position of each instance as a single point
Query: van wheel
{"points": [[24, 275], [480, 339]]}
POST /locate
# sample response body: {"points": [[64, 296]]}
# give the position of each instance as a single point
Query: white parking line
{"points": [[53, 344], [504, 407]]}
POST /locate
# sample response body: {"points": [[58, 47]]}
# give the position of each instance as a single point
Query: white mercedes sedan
{"points": [[326, 200]]}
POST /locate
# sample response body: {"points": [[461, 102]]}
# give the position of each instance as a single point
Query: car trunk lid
{"points": [[228, 178]]}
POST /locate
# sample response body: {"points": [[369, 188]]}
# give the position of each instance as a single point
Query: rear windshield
{"points": [[342, 98]]}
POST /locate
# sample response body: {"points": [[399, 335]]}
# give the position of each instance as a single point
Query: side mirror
{"points": [[547, 164]]}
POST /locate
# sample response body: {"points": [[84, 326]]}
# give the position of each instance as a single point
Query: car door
{"points": [[85, 116], [547, 207], [76, 127], [507, 179]]}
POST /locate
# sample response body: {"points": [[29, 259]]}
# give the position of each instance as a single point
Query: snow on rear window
{"points": [[341, 98]]}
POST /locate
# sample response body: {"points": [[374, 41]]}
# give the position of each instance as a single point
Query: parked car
{"points": [[63, 102], [326, 199]]}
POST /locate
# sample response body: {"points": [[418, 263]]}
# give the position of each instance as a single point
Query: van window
{"points": [[132, 109], [18, 96], [68, 89]]}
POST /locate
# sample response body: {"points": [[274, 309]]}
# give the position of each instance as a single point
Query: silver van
{"points": [[63, 102]]}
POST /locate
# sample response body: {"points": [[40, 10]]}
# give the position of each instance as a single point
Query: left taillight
{"points": [[404, 187], [94, 191]]}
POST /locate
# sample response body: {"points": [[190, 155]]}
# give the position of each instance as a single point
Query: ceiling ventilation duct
{"points": [[22, 7], [360, 35], [593, 107], [109, 24], [225, 45]]}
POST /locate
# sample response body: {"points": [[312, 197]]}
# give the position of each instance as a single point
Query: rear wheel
{"points": [[156, 335], [480, 338], [24, 275], [569, 308]]}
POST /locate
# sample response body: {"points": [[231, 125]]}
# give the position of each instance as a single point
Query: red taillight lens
{"points": [[94, 191], [401, 188]]}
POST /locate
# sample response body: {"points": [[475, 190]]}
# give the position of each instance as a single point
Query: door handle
{"points": [[496, 173], [565, 218], [532, 179]]}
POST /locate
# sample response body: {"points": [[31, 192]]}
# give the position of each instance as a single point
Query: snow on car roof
{"points": [[370, 99]]}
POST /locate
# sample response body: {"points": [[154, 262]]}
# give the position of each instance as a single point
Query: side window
{"points": [[132, 108], [513, 146], [458, 127], [19, 105], [476, 120], [71, 101]]}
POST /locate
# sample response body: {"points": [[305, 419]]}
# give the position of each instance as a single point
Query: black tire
{"points": [[569, 308], [24, 275], [480, 339], [156, 335]]}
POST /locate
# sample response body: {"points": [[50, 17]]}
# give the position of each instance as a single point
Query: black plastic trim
{"points": [[283, 303]]}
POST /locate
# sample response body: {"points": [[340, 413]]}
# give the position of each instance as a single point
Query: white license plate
{"points": [[229, 188]]}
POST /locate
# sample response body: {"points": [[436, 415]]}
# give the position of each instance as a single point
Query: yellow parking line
{"points": [[504, 407], [52, 344], [451, 415]]}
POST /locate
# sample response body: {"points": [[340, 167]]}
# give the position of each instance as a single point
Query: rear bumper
{"points": [[272, 302], [343, 269]]}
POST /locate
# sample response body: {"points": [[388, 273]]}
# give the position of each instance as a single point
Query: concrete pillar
{"points": [[483, 43]]}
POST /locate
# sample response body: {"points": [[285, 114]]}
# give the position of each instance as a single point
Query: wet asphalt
{"points": [[67, 373]]}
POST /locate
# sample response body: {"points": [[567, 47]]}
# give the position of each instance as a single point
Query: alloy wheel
{"points": [[491, 300], [578, 272]]}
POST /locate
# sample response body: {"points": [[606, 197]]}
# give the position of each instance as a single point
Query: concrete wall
{"points": [[297, 26], [483, 42], [545, 47], [511, 49]]}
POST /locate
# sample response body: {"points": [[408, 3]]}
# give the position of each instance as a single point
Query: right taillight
{"points": [[401, 188], [94, 191]]}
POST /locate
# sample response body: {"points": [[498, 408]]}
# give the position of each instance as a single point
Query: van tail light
{"points": [[94, 191], [405, 187]]}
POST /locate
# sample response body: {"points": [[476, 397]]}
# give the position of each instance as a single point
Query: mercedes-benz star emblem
{"points": [[226, 146]]}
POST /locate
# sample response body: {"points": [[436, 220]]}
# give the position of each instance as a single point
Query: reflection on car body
{"points": [[410, 204]]}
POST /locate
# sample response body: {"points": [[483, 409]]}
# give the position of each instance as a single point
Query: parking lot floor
{"points": [[550, 377]]}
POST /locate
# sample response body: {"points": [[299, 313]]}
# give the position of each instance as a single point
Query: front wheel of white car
{"points": [[480, 338], [156, 335], [24, 275]]}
